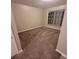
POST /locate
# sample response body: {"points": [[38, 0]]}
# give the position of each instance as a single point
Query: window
{"points": [[56, 17]]}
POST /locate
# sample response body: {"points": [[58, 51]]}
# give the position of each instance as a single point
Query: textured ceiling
{"points": [[40, 3]]}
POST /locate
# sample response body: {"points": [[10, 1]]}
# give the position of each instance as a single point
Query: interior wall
{"points": [[27, 17], [15, 32], [62, 42], [45, 16], [46, 11], [14, 49]]}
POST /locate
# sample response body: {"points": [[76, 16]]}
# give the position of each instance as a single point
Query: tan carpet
{"points": [[39, 43]]}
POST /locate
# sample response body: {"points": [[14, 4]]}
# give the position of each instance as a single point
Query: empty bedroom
{"points": [[38, 29]]}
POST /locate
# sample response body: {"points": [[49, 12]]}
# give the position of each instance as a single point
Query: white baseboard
{"points": [[52, 26], [61, 53], [49, 26], [30, 28], [20, 51]]}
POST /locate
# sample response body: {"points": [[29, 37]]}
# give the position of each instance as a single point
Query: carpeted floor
{"points": [[39, 43]]}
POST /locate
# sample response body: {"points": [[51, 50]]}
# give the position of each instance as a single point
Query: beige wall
{"points": [[15, 32], [14, 49], [27, 17], [45, 16], [46, 11], [62, 42]]}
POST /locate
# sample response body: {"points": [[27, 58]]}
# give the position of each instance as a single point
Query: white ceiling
{"points": [[41, 3]]}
